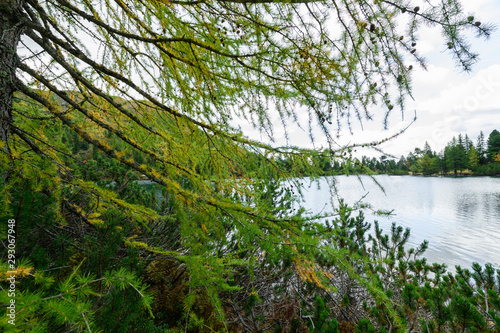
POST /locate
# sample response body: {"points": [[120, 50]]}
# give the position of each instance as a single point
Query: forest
{"points": [[100, 97], [460, 157]]}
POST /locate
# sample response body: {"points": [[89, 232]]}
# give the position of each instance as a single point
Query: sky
{"points": [[447, 101]]}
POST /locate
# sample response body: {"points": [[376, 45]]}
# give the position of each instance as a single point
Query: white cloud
{"points": [[448, 103]]}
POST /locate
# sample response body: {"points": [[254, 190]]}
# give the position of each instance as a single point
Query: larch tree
{"points": [[156, 86]]}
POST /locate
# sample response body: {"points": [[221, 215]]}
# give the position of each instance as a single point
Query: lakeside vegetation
{"points": [[104, 269], [95, 95], [460, 157]]}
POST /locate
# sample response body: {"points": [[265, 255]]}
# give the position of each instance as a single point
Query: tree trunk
{"points": [[10, 35]]}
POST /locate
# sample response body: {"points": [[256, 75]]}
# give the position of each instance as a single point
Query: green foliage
{"points": [[459, 155], [455, 156], [364, 326], [69, 303], [493, 147], [111, 93], [428, 298], [71, 279], [426, 165], [492, 169], [322, 321], [473, 158]]}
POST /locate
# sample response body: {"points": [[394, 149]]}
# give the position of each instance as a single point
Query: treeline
{"points": [[461, 156]]}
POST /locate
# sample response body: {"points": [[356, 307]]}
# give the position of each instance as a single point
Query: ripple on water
{"points": [[460, 217]]}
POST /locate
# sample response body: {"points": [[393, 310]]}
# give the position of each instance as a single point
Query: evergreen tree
{"points": [[467, 143], [493, 147], [481, 148], [373, 164], [402, 163], [428, 150], [473, 158], [426, 165], [411, 158], [440, 162], [455, 155], [321, 323], [154, 86], [462, 148]]}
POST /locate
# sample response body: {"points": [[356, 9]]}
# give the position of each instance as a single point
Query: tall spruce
{"points": [[481, 148]]}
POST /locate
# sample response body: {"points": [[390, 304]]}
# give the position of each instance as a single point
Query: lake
{"points": [[460, 217]]}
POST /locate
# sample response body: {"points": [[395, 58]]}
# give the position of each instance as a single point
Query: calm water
{"points": [[460, 217]]}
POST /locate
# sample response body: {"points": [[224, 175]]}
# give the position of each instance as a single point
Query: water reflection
{"points": [[460, 217]]}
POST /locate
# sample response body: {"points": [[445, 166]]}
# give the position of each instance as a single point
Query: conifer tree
{"points": [[462, 149], [154, 87], [428, 150], [481, 148], [455, 154], [473, 158], [493, 145]]}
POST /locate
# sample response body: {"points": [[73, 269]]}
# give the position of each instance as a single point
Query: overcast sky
{"points": [[447, 101]]}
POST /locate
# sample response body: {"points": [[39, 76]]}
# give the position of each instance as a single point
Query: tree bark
{"points": [[10, 35]]}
